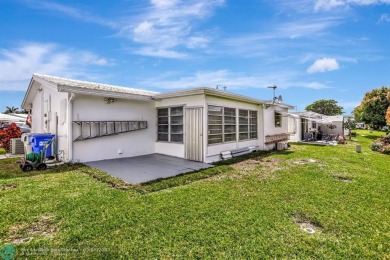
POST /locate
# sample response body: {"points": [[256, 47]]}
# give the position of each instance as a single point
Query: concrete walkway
{"points": [[146, 168], [8, 155]]}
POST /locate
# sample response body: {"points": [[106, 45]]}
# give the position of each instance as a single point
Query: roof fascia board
{"points": [[210, 92], [63, 88], [183, 93], [45, 82], [27, 94], [228, 95]]}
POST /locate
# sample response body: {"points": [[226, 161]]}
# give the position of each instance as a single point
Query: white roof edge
{"points": [[207, 91], [23, 105], [103, 93]]}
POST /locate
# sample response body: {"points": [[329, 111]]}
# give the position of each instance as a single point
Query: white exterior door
{"points": [[194, 134]]}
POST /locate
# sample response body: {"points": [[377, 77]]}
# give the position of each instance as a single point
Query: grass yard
{"points": [[264, 207], [2, 151]]}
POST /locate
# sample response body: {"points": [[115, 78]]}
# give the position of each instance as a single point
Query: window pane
{"points": [[230, 129], [177, 138], [243, 113], [243, 128], [162, 120], [230, 120], [213, 120], [253, 128], [243, 136], [214, 139], [243, 121], [162, 112], [230, 111], [230, 137], [176, 129], [253, 121], [162, 129], [176, 120], [162, 137], [253, 114], [176, 111], [215, 129], [253, 135], [278, 120], [213, 110]]}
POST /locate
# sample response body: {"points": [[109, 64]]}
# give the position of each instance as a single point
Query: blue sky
{"points": [[310, 49]]}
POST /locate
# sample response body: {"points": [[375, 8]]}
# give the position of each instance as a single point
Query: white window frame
{"points": [[248, 124], [169, 124], [276, 113], [223, 124]]}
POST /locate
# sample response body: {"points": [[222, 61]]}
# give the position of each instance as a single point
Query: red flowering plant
{"points": [[382, 145], [13, 131]]}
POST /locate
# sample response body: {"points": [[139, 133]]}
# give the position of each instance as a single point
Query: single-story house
{"points": [[95, 121], [307, 123]]}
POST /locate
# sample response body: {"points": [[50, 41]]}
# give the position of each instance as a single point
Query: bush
{"points": [[381, 145], [13, 131], [385, 149], [376, 145]]}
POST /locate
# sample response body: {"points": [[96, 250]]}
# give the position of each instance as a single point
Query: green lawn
{"points": [[252, 209], [2, 151]]}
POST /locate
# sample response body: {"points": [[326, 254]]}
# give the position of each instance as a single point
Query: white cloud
{"points": [[230, 79], [18, 64], [168, 26], [349, 104], [384, 18], [162, 53], [70, 11], [331, 4], [323, 65]]}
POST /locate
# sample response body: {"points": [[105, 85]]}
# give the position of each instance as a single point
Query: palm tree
{"points": [[11, 110]]}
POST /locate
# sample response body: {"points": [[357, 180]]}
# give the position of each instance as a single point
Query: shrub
{"points": [[376, 145], [385, 149], [13, 131]]}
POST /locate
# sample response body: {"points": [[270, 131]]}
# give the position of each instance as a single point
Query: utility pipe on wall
{"points": [[70, 126]]}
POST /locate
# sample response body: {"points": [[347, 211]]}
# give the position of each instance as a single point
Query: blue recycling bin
{"points": [[38, 142]]}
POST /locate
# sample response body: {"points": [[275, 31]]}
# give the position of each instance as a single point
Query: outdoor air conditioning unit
{"points": [[17, 146], [282, 146]]}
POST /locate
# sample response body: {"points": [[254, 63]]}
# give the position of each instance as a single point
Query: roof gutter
{"points": [[63, 88]]}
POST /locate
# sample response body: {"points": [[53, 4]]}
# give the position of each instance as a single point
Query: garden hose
{"points": [[33, 157]]}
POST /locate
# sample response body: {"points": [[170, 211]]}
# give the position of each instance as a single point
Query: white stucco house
{"points": [[97, 121], [307, 122]]}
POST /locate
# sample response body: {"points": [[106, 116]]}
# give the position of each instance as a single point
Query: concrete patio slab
{"points": [[146, 168]]}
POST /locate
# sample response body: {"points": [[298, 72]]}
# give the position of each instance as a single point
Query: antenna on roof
{"points": [[273, 98], [224, 87]]}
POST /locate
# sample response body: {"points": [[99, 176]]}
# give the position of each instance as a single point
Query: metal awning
{"points": [[288, 114], [6, 117], [319, 120]]}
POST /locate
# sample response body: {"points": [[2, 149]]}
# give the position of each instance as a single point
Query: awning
{"points": [[5, 117], [287, 114], [319, 120]]}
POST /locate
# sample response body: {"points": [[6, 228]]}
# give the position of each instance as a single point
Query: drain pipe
{"points": [[70, 127]]}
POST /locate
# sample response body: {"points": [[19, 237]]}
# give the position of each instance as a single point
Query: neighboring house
{"points": [[97, 121], [311, 121]]}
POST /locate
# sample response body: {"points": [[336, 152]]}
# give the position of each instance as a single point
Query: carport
{"points": [[146, 168]]}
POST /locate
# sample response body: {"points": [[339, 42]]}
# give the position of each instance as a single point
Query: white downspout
{"points": [[70, 127], [263, 128]]}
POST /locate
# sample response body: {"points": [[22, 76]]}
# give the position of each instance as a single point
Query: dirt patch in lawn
{"points": [[264, 168], [43, 226], [8, 186], [309, 161], [306, 225], [263, 162], [343, 178]]}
